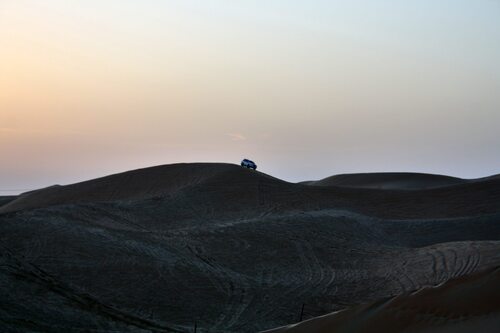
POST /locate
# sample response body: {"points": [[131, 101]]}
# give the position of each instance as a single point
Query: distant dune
{"points": [[389, 180], [235, 250], [464, 305]]}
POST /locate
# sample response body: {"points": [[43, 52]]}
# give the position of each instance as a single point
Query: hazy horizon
{"points": [[306, 90]]}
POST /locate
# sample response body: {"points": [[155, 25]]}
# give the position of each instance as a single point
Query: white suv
{"points": [[248, 164]]}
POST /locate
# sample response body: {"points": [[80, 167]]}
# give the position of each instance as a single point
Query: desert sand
{"points": [[464, 304], [233, 250]]}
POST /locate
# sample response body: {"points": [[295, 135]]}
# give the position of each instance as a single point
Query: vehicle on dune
{"points": [[248, 164]]}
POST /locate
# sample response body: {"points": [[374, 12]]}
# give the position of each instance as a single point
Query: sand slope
{"points": [[159, 248], [465, 304], [6, 199]]}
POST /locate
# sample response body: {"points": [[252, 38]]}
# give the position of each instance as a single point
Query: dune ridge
{"points": [[134, 185], [395, 180], [255, 191], [389, 180]]}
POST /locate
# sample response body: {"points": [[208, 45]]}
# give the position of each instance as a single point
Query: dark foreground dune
{"points": [[465, 304], [233, 250]]}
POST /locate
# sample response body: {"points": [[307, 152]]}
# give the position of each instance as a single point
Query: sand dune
{"points": [[389, 180], [235, 250], [217, 183], [395, 181], [137, 184], [466, 304]]}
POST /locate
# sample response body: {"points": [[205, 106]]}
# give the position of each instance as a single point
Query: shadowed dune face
{"points": [[234, 250], [6, 199], [466, 304]]}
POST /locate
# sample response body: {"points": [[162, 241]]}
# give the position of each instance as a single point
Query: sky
{"points": [[306, 89]]}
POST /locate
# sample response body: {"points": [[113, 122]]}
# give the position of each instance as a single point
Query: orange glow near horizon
{"points": [[91, 88]]}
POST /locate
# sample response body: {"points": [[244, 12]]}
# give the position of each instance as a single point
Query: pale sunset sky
{"points": [[306, 89]]}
